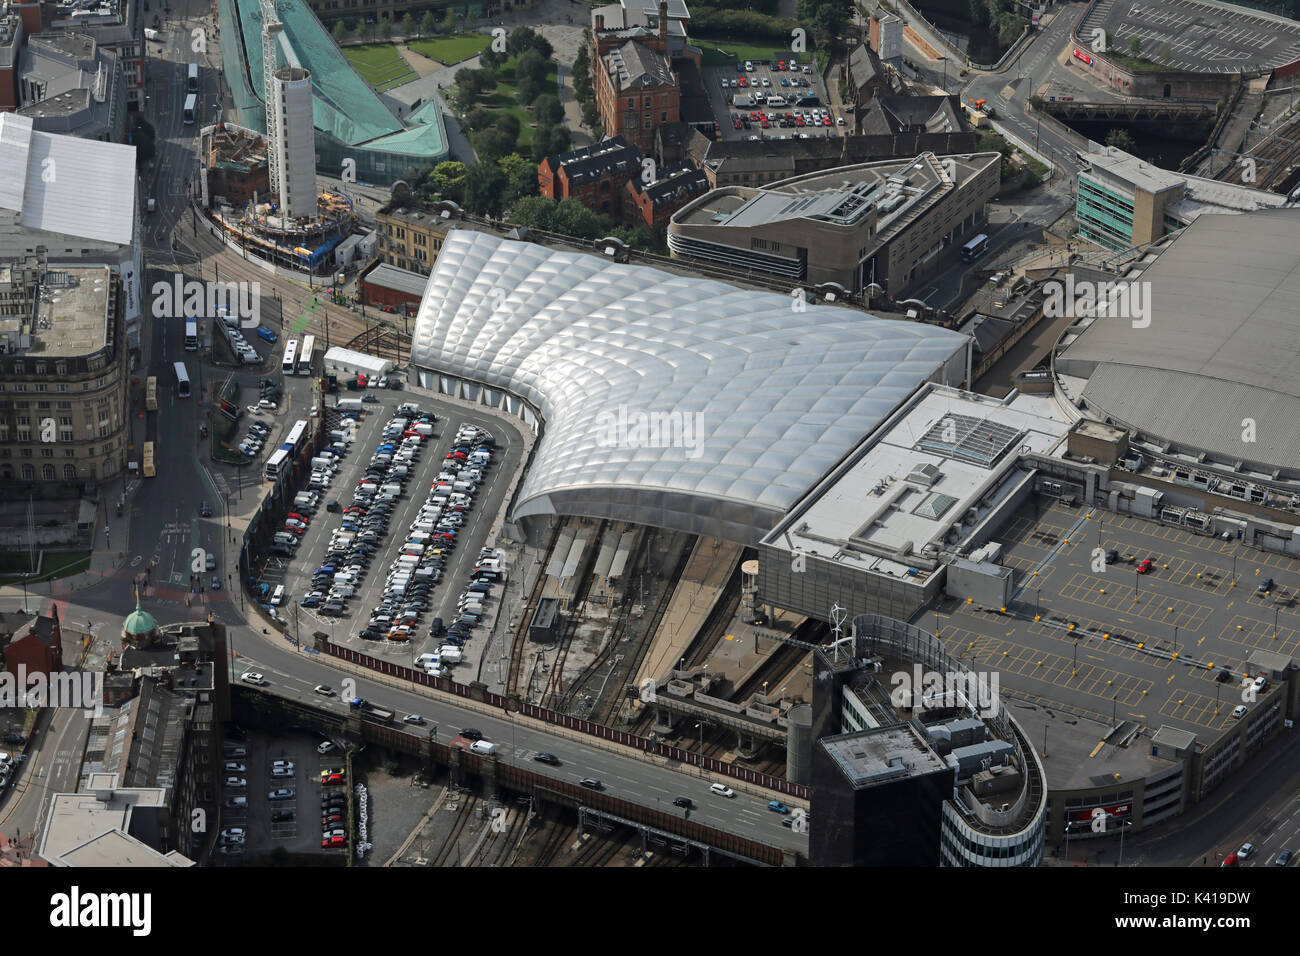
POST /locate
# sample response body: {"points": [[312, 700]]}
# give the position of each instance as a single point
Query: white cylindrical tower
{"points": [[296, 154]]}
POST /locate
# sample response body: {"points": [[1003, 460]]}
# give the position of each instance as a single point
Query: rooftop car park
{"points": [[1092, 635]]}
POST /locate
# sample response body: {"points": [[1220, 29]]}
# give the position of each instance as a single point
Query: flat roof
{"points": [[75, 819], [906, 487], [870, 758], [73, 319]]}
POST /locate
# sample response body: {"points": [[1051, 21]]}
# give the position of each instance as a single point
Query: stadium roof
{"points": [[1223, 342], [66, 184], [755, 401]]}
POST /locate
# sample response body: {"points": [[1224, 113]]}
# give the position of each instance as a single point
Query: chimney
{"points": [[663, 24], [600, 22]]}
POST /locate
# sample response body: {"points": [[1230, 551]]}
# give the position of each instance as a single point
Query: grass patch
{"points": [[55, 565], [719, 51], [1138, 64], [450, 50], [380, 65]]}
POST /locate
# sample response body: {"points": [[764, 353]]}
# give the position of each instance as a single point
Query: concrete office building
{"points": [[109, 824], [68, 83], [892, 223], [86, 215], [64, 415], [116, 25], [903, 778], [296, 153], [1122, 201], [12, 35]]}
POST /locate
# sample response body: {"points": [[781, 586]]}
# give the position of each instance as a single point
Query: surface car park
{"points": [[373, 570]]}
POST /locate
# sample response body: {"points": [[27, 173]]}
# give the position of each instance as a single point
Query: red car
{"points": [[1144, 566], [1229, 860], [332, 778], [780, 64], [744, 82], [736, 123], [296, 517], [333, 841], [331, 818], [798, 121], [826, 121], [766, 125]]}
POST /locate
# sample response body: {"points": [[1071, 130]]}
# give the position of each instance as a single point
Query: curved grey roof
{"points": [[1221, 345], [778, 396]]}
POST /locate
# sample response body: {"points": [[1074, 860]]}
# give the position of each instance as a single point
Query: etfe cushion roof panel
{"points": [[779, 396]]}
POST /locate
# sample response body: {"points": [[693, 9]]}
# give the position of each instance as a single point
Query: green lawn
{"points": [[54, 565], [722, 52], [380, 65], [450, 50]]}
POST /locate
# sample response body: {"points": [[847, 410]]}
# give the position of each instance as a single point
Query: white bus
{"points": [[191, 335], [192, 82], [975, 248], [191, 102], [182, 380], [293, 441], [290, 364], [305, 354], [276, 464]]}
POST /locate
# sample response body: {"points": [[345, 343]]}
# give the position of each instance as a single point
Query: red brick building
{"points": [[31, 641], [652, 205], [595, 175], [391, 289], [636, 91]]}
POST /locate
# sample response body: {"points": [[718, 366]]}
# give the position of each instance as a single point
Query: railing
{"points": [[583, 726]]}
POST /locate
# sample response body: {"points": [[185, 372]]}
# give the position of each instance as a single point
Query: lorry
{"points": [[348, 404], [370, 710], [149, 469]]}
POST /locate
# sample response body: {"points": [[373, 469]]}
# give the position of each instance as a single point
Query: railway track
{"points": [[449, 846], [526, 617]]}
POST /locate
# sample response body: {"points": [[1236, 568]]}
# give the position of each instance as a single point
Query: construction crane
{"points": [[271, 30]]}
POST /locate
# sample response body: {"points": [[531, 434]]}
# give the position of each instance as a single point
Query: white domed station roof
{"points": [[672, 401]]}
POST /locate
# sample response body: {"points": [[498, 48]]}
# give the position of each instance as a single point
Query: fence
{"points": [[554, 718]]}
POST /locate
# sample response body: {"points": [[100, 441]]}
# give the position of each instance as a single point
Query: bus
{"points": [[192, 84], [290, 364], [151, 394], [975, 248], [293, 441], [305, 354], [182, 380], [150, 469], [276, 464], [191, 335], [191, 105]]}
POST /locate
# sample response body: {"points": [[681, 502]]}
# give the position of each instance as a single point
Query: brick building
{"points": [[636, 90], [32, 641], [652, 205], [595, 175]]}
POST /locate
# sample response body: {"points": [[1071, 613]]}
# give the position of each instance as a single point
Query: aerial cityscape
{"points": [[802, 433]]}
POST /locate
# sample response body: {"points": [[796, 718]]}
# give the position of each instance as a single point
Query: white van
{"points": [[420, 537], [277, 596], [464, 487], [412, 547], [483, 748]]}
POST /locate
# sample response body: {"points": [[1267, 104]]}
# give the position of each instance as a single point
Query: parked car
{"points": [[284, 793]]}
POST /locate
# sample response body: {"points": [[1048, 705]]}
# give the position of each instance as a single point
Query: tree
{"points": [[530, 64], [979, 13], [1120, 139], [491, 59], [408, 24], [386, 30], [428, 23], [529, 88], [574, 219], [547, 110], [449, 20], [485, 190], [474, 83], [535, 212], [549, 140], [520, 178], [581, 72], [508, 123], [479, 119], [590, 115], [526, 38], [1010, 26], [491, 144], [1135, 47], [339, 31], [448, 179]]}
